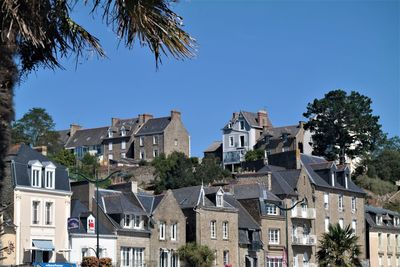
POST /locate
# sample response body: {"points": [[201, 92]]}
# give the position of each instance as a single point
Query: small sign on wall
{"points": [[91, 224]]}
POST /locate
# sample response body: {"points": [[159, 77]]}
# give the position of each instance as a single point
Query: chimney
{"points": [[235, 115], [134, 187], [175, 115], [73, 128], [143, 118], [262, 117], [84, 191], [269, 181], [41, 149], [114, 121]]}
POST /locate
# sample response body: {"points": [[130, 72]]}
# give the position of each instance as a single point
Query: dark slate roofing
{"points": [[322, 165], [370, 217], [270, 168], [253, 191], [307, 161], [251, 118], [214, 146], [21, 171], [87, 137], [280, 186], [78, 210], [245, 221], [381, 211], [187, 197], [130, 126], [277, 132], [149, 202], [153, 126], [291, 177], [63, 136], [114, 202]]}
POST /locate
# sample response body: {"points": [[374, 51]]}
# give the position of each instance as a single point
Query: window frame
{"points": [[49, 214], [161, 230], [213, 229], [274, 236], [225, 230], [123, 144], [37, 214], [174, 231]]}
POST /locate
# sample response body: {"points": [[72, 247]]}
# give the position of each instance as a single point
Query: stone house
{"points": [[382, 237], [37, 188], [161, 136], [168, 226], [240, 134], [211, 221]]}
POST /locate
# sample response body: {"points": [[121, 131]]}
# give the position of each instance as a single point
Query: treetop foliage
{"points": [[196, 255]]}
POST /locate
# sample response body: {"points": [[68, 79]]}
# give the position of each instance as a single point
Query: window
{"points": [[138, 257], [174, 259], [132, 257], [396, 221], [389, 261], [155, 153], [35, 212], [36, 175], [326, 224], [162, 230], [241, 125], [397, 241], [340, 203], [226, 257], [128, 220], [123, 131], [126, 253], [296, 261], [271, 209], [141, 141], [49, 213], [225, 230], [333, 179], [341, 222], [353, 204], [379, 241], [155, 139], [123, 155], [110, 156], [398, 261], [380, 261], [49, 182], [274, 262], [213, 232], [220, 199], [176, 142], [389, 243], [354, 226], [142, 154], [110, 146], [110, 133], [379, 219], [285, 148], [273, 236], [241, 141], [138, 222], [326, 200], [123, 144], [174, 233], [231, 141]]}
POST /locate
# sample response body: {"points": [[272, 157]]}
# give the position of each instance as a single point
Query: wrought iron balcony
{"points": [[304, 240]]}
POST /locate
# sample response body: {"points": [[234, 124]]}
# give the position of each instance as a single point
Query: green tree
{"points": [[339, 248], [196, 255], [36, 128], [88, 166], [210, 170], [39, 33], [65, 157], [342, 125], [253, 155]]}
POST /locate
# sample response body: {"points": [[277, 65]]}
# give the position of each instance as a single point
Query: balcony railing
{"points": [[305, 213], [304, 240], [398, 250]]}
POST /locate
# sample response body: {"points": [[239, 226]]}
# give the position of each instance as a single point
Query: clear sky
{"points": [[277, 55]]}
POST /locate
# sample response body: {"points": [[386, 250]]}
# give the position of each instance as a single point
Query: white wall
{"points": [[77, 242]]}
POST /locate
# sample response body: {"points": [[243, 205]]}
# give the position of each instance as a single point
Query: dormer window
{"points": [[346, 180], [219, 199], [123, 131], [49, 175], [229, 125], [379, 219], [241, 123], [284, 137], [110, 133], [396, 221], [36, 173], [333, 178], [128, 218]]}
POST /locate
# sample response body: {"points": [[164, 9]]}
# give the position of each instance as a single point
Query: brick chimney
{"points": [[41, 149], [175, 115], [262, 117], [73, 128], [144, 117], [114, 121]]}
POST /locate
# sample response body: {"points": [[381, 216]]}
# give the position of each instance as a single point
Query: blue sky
{"points": [[277, 55]]}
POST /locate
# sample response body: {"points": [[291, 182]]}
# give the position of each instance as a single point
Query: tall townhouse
{"points": [[382, 237], [240, 134], [260, 203], [40, 192], [161, 136], [168, 227], [211, 221]]}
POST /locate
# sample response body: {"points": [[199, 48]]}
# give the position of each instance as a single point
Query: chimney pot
{"points": [[73, 128], [114, 121]]}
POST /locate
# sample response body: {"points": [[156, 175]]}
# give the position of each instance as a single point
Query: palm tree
{"points": [[339, 247], [38, 33]]}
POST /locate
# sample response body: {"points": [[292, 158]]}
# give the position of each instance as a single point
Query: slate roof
{"points": [[79, 210], [114, 202], [253, 191], [149, 202], [245, 220], [63, 136], [214, 146], [130, 126], [154, 126], [21, 173], [87, 137], [370, 217], [270, 168], [277, 132], [309, 161], [280, 185]]}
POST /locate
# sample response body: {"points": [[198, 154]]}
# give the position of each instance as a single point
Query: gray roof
{"points": [[245, 221], [80, 211], [309, 161], [63, 136], [154, 126], [114, 202], [21, 170], [149, 202], [253, 191], [251, 118], [370, 217], [130, 125], [277, 132], [214, 146], [290, 176], [87, 137], [270, 168]]}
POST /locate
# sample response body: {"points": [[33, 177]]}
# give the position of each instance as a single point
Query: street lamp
{"points": [[286, 209], [97, 181]]}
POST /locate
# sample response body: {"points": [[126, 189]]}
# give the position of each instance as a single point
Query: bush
{"points": [[196, 255], [253, 155], [375, 185], [90, 262], [105, 262]]}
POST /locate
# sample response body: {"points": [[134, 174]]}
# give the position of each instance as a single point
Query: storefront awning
{"points": [[44, 245]]}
